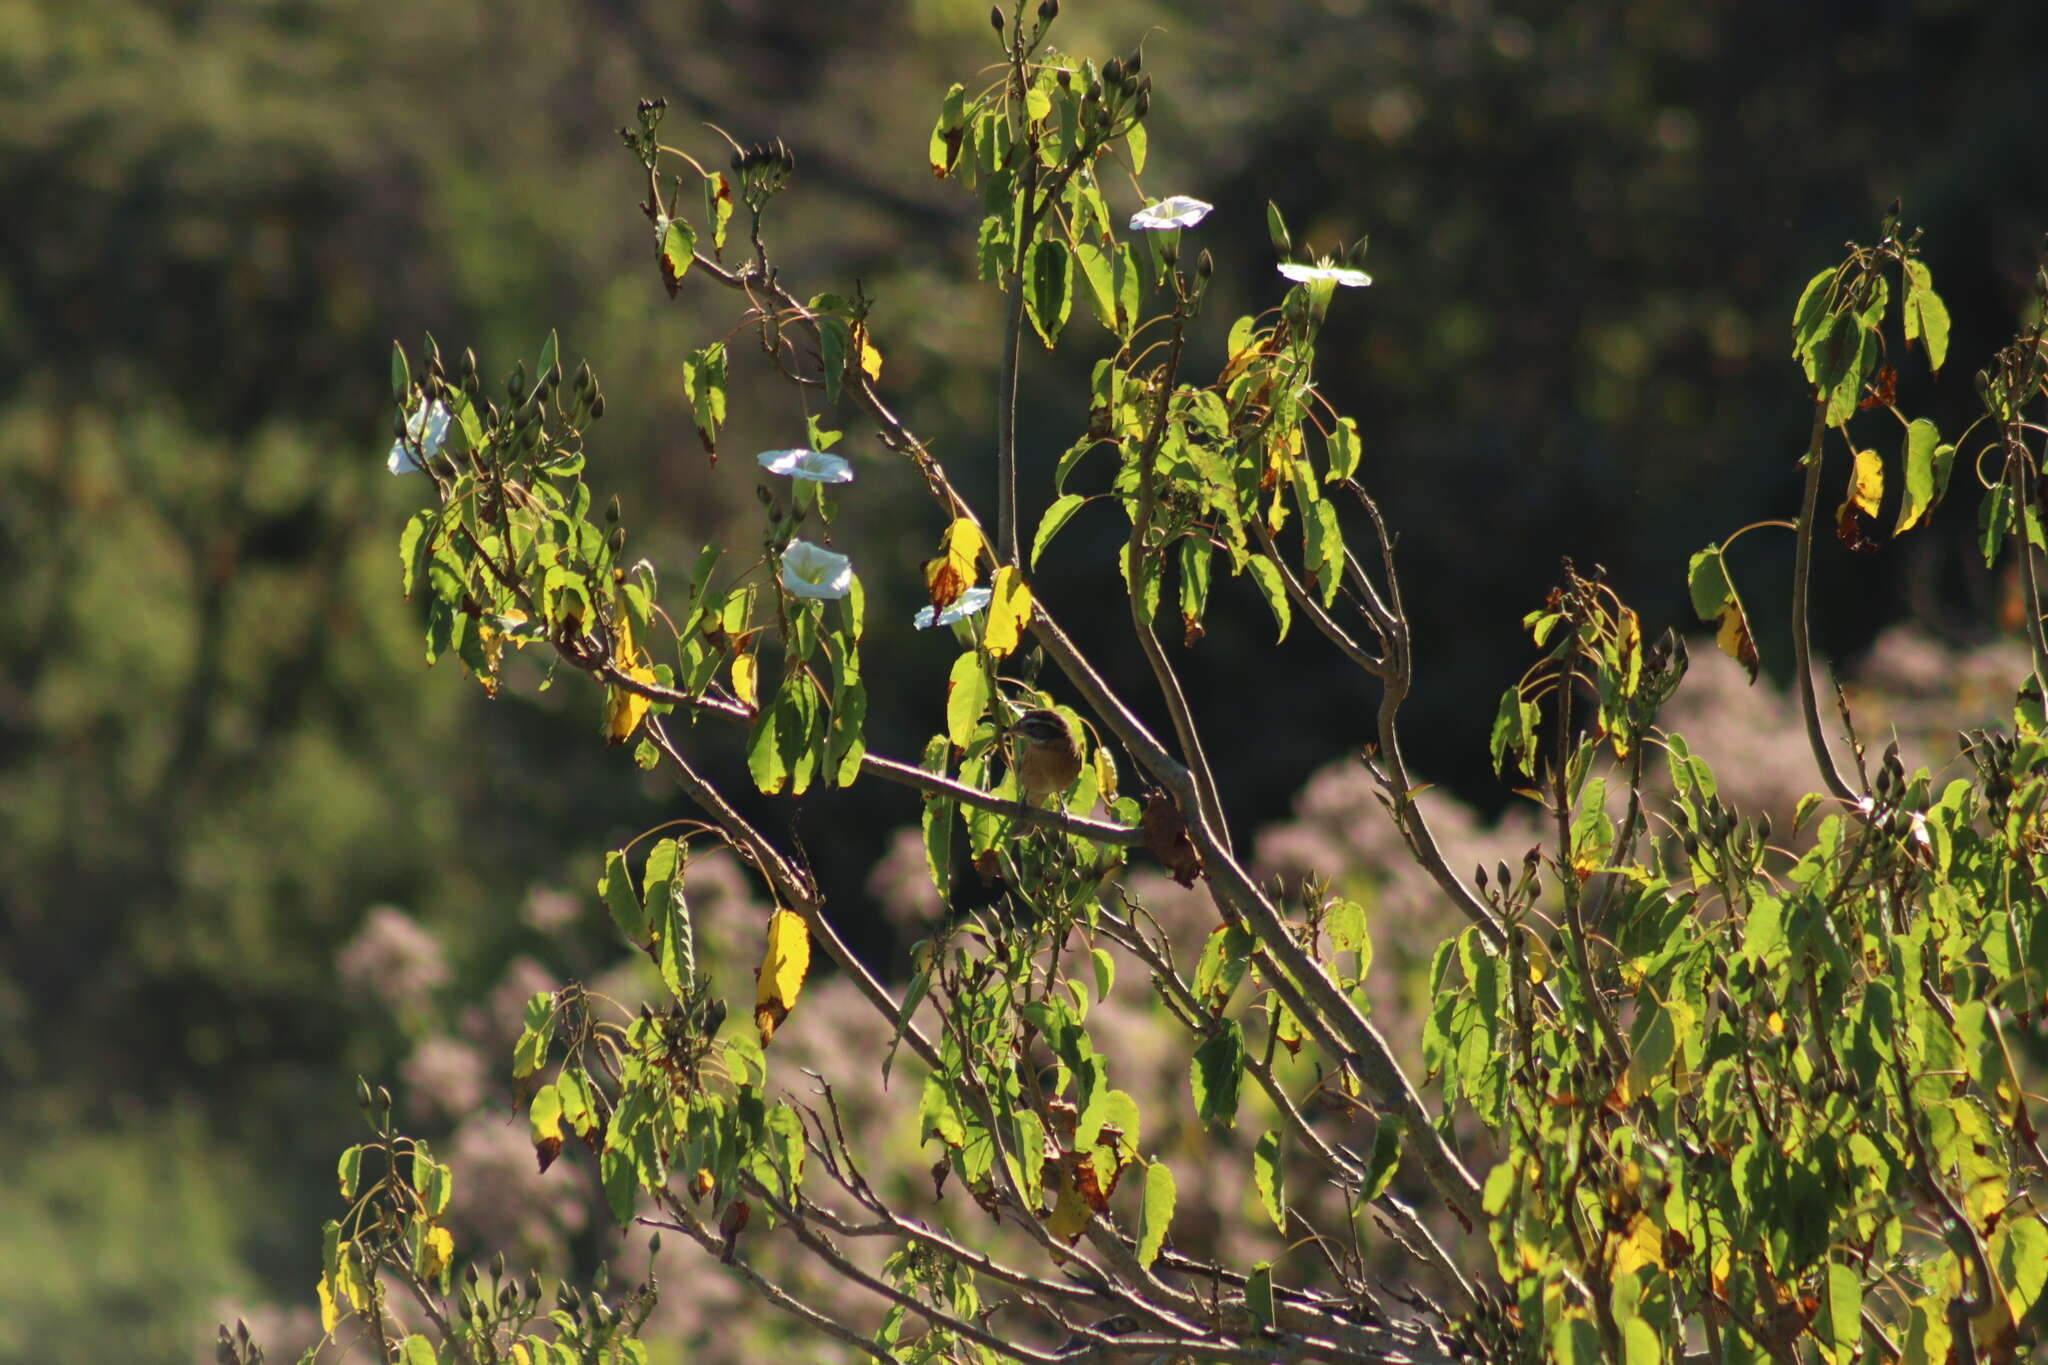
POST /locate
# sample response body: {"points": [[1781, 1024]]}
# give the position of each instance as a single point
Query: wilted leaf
{"points": [[1166, 838], [545, 1118], [958, 565]]}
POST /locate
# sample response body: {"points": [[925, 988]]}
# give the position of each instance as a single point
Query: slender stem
{"points": [[1802, 578], [1568, 879]]}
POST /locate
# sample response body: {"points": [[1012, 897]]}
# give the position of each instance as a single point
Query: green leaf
{"points": [[1258, 1292], [845, 746], [967, 699], [1653, 1043], [1266, 575], [1276, 228], [1810, 317], [415, 544], [1842, 1327], [1128, 282], [401, 375], [1136, 142], [1196, 557], [616, 886], [1055, 517], [2019, 1253], [350, 1171], [1994, 519], [550, 356], [1922, 439], [1156, 1213], [949, 132], [1386, 1156], [938, 822], [1926, 314], [704, 374], [1098, 270], [1105, 972], [1345, 450], [1269, 1177], [416, 1350], [1324, 549], [767, 754], [1218, 1073], [835, 344], [621, 1183], [678, 248], [1575, 1341], [1049, 288], [717, 208]]}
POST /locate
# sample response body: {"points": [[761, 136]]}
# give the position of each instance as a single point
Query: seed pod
{"points": [[1144, 104], [1205, 265], [1113, 71], [1048, 10], [597, 407], [995, 18]]}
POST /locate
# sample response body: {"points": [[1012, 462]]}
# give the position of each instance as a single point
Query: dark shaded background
{"points": [[218, 745]]}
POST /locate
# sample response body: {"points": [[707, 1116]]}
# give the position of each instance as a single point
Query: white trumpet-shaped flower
{"points": [[1335, 274], [428, 429], [1178, 211], [814, 465], [964, 606], [813, 571]]}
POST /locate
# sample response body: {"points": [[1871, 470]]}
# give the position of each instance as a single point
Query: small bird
{"points": [[1047, 760]]}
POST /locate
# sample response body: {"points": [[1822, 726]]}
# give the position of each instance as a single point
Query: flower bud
{"points": [[597, 407], [1136, 60], [995, 18], [1113, 71], [1205, 265], [1144, 104], [1048, 10]]}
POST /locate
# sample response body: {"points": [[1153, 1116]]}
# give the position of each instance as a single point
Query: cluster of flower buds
{"points": [[763, 171], [643, 143]]}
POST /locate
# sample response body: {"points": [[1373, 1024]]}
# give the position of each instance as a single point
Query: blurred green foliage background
{"points": [[219, 747]]}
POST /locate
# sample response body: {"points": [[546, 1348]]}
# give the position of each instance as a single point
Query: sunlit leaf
{"points": [[1856, 518], [781, 974], [678, 248], [1269, 1178], [1714, 599], [1009, 611], [1155, 1215]]}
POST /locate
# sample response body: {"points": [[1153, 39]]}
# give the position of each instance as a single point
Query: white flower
{"points": [[964, 606], [1335, 274], [814, 465], [428, 428], [812, 571], [1177, 212]]}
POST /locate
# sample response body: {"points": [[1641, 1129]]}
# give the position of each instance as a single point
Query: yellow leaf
{"points": [[330, 1313], [782, 971], [958, 565], [870, 354], [623, 710], [1734, 638], [746, 680], [351, 1277], [1009, 611], [1866, 489], [1642, 1245], [1070, 1213], [440, 1248]]}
